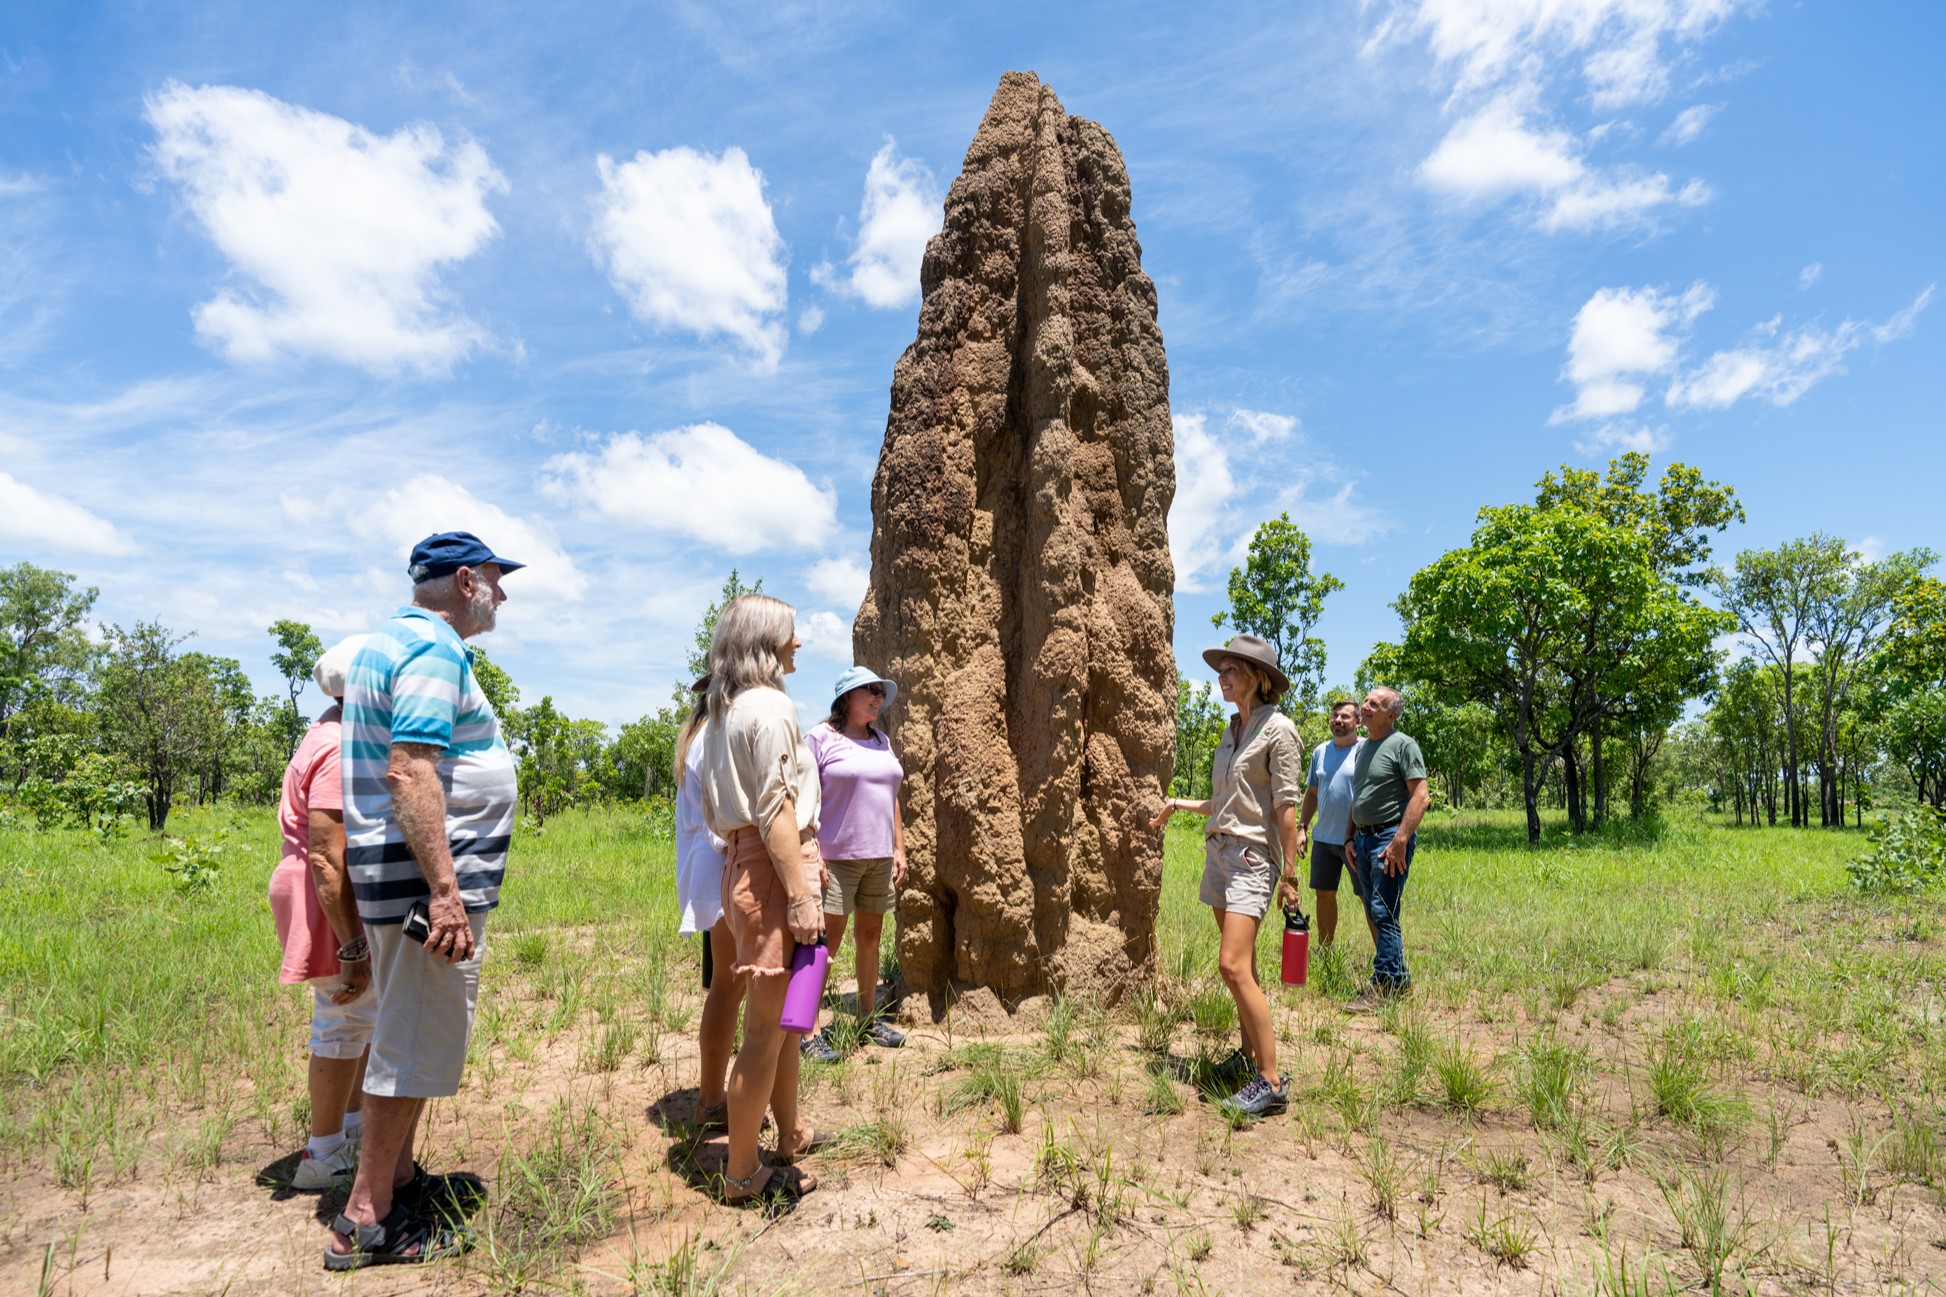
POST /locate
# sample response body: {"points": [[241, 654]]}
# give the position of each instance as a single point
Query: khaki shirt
{"points": [[1252, 775], [754, 762]]}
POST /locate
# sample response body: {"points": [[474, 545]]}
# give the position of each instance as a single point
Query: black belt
{"points": [[1380, 828]]}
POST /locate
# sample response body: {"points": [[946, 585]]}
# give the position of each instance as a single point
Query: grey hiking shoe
{"points": [[883, 1035], [817, 1049], [1260, 1098]]}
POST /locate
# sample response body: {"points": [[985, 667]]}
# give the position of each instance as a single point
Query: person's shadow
{"points": [[455, 1197]]}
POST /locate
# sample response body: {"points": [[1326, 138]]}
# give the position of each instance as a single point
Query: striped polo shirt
{"points": [[413, 682]]}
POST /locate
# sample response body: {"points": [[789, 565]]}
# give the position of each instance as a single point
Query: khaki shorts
{"points": [[1238, 876], [863, 885], [425, 1014]]}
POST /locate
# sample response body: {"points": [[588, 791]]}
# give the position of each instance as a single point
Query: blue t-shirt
{"points": [[1331, 768]]}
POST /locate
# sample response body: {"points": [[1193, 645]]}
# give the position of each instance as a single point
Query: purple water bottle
{"points": [[806, 991]]}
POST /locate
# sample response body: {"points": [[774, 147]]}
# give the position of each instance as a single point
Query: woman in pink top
{"points": [[324, 943], [860, 837]]}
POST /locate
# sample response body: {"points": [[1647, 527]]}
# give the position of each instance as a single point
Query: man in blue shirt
{"points": [[1327, 798]]}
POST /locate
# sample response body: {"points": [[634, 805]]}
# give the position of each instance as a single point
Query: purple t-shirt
{"points": [[859, 793]]}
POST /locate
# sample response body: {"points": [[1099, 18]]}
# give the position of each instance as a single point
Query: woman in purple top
{"points": [[860, 837]]}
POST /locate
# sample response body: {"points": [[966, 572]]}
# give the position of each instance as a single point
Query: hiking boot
{"points": [[816, 1049], [882, 1034], [1376, 996], [1260, 1098], [315, 1173]]}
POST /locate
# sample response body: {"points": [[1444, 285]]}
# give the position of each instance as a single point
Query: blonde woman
{"points": [[759, 790], [1249, 849]]}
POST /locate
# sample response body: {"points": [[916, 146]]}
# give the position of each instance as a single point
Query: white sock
{"points": [[326, 1145], [354, 1125]]}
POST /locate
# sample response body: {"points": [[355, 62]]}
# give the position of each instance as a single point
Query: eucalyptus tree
{"points": [[1909, 694], [160, 710]]}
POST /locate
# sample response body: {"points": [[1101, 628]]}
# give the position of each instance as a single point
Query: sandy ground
{"points": [[1152, 1203]]}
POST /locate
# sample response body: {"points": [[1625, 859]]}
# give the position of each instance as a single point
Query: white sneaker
{"points": [[315, 1173]]}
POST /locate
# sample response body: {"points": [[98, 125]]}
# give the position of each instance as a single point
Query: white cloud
{"points": [[1626, 48], [841, 581], [1623, 337], [402, 516], [1689, 124], [1613, 437], [689, 241], [1205, 494], [1782, 371], [902, 209], [701, 481], [1261, 427], [1871, 548], [29, 516], [810, 320], [1810, 274], [1495, 154], [826, 635], [1217, 509], [342, 231]]}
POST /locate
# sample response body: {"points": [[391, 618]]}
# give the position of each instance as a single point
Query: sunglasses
{"points": [[876, 691]]}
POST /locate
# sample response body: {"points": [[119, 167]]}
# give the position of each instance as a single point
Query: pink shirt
{"points": [[859, 793], [311, 782]]}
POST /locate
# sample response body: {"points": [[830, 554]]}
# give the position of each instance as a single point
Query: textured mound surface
{"points": [[1021, 579]]}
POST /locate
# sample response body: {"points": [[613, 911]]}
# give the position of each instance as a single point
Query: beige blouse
{"points": [[1253, 774], [754, 762]]}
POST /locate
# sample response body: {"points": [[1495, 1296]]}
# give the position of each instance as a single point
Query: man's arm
{"points": [[419, 802], [1418, 797]]}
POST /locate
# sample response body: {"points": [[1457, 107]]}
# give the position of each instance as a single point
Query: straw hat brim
{"points": [[1243, 653]]}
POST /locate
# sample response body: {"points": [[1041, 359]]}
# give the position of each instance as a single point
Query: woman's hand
{"points": [[1288, 893], [898, 867], [806, 918], [357, 975], [1162, 816]]}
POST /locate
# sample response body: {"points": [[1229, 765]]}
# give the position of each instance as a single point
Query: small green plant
{"points": [[1197, 1246], [1718, 1233], [1550, 1075], [1679, 1085], [1380, 1167], [1907, 853], [881, 1141], [1505, 1240], [1248, 1210], [1213, 1012], [1160, 1098], [1464, 1083], [1506, 1170], [195, 862]]}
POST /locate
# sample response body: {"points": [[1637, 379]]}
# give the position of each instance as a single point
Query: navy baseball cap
{"points": [[448, 552]]}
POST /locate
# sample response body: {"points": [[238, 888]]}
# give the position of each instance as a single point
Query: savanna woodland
{"points": [[1677, 931]]}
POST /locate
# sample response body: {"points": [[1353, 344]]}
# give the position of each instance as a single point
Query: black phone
{"points": [[418, 923]]}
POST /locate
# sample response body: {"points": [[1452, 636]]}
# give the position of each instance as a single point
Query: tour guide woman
{"points": [[1249, 838], [760, 795]]}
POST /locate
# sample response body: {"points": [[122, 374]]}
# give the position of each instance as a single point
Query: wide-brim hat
{"points": [[334, 664], [1257, 652], [858, 678]]}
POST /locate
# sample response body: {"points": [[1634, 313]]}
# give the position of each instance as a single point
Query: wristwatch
{"points": [[357, 950]]}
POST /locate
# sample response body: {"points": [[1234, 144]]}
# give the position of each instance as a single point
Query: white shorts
{"points": [[340, 1030], [425, 1014]]}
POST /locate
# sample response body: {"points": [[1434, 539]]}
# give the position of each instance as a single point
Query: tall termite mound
{"points": [[1021, 580]]}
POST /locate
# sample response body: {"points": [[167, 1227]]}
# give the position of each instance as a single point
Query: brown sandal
{"points": [[817, 1141]]}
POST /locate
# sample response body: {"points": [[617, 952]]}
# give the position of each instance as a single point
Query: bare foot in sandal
{"points": [[808, 1140], [768, 1181]]}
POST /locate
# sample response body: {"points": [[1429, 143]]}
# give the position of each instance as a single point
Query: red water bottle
{"points": [[1297, 947]]}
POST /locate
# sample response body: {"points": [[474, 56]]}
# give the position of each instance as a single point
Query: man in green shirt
{"points": [[1388, 800]]}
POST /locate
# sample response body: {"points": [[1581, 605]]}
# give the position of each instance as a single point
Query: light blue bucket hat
{"points": [[857, 678]]}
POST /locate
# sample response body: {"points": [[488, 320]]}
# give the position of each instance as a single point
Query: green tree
{"points": [[1199, 728], [1510, 622], [1274, 595], [298, 650], [161, 713], [698, 663], [44, 650], [1456, 738], [501, 692], [1676, 519], [1909, 687]]}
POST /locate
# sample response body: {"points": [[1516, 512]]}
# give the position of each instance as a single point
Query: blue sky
{"points": [[284, 288]]}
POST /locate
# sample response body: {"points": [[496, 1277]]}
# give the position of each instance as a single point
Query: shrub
{"points": [[1907, 853]]}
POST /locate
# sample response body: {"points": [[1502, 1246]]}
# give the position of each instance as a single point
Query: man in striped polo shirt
{"points": [[429, 810]]}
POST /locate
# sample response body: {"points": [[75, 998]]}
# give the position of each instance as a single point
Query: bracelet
{"points": [[355, 951]]}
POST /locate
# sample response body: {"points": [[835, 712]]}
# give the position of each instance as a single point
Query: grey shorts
{"points": [[863, 885], [425, 1014], [1238, 876], [1327, 864]]}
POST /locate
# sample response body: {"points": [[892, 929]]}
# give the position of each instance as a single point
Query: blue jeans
{"points": [[1382, 895]]}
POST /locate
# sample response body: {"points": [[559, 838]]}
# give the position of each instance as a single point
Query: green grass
{"points": [[143, 1035]]}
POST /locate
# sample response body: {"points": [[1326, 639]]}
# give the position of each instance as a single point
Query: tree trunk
{"points": [[1571, 787], [1530, 790], [1598, 767]]}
